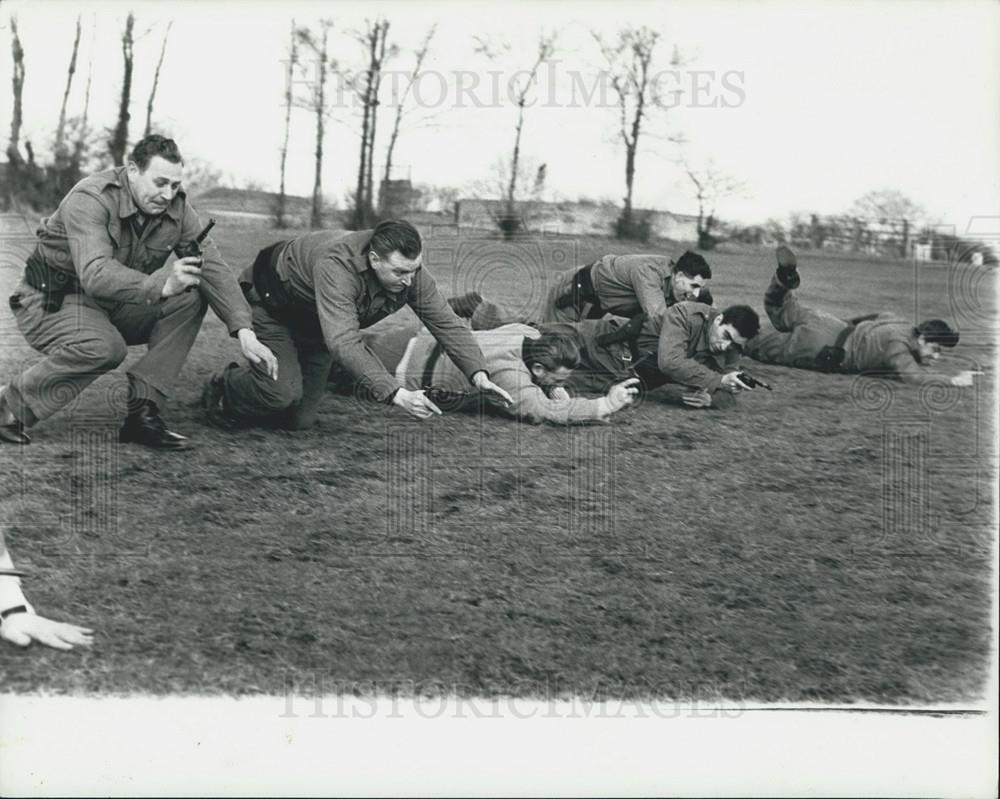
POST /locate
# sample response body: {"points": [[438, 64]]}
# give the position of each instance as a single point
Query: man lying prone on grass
{"points": [[883, 343], [531, 366], [689, 353]]}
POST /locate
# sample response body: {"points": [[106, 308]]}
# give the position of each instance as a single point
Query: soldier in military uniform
{"points": [[690, 352], [311, 298], [19, 623], [883, 343], [98, 282], [533, 367], [625, 285]]}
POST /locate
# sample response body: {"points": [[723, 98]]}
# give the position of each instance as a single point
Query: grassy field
{"points": [[830, 541]]}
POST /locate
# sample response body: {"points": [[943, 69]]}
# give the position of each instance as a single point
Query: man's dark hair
{"points": [[552, 349], [743, 318], [153, 145], [693, 265], [937, 331], [396, 235]]}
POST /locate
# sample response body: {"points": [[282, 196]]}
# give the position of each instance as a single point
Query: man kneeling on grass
{"points": [[531, 366], [311, 297], [881, 343], [19, 623]]}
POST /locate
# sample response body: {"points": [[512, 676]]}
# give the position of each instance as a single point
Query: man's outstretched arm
{"points": [[19, 623]]}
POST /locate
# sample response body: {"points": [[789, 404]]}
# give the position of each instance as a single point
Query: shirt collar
{"points": [[126, 202]]}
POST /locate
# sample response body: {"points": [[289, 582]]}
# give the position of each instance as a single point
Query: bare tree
{"points": [[421, 54], [80, 142], [367, 89], [631, 71], [710, 186], [119, 137], [17, 118], [60, 144], [156, 80], [887, 204], [293, 53], [318, 43], [521, 86]]}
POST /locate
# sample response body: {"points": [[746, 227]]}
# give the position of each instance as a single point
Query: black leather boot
{"points": [[145, 426], [788, 274]]}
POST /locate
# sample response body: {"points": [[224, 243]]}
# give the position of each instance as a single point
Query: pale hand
{"points": [[559, 394], [182, 274], [622, 394], [258, 353], [730, 382], [483, 383], [415, 403], [23, 628], [964, 379], [697, 399]]}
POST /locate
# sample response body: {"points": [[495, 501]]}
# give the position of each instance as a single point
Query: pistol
{"points": [[193, 248], [748, 379]]}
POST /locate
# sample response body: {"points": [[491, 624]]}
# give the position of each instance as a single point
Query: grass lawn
{"points": [[830, 541]]}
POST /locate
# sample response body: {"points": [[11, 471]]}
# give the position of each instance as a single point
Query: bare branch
{"points": [[61, 124], [156, 79]]}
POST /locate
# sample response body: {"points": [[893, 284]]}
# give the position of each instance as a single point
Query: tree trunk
{"points": [[119, 139], [279, 215], [393, 138], [156, 81], [359, 194], [631, 147], [316, 218], [387, 171], [81, 138], [17, 51], [60, 145], [515, 160], [361, 199], [629, 182]]}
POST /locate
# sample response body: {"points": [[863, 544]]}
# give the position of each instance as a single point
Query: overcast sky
{"points": [[810, 105]]}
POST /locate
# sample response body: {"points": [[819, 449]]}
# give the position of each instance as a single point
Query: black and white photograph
{"points": [[499, 398]]}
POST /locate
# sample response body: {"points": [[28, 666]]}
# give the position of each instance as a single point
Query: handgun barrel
{"points": [[204, 233]]}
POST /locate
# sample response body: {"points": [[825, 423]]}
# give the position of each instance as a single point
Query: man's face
{"points": [[154, 187], [394, 272], [926, 353], [550, 378], [722, 337], [685, 286]]}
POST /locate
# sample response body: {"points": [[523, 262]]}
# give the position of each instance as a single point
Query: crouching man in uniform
{"points": [[531, 366], [311, 298], [19, 623], [625, 285], [97, 282], [881, 343]]}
